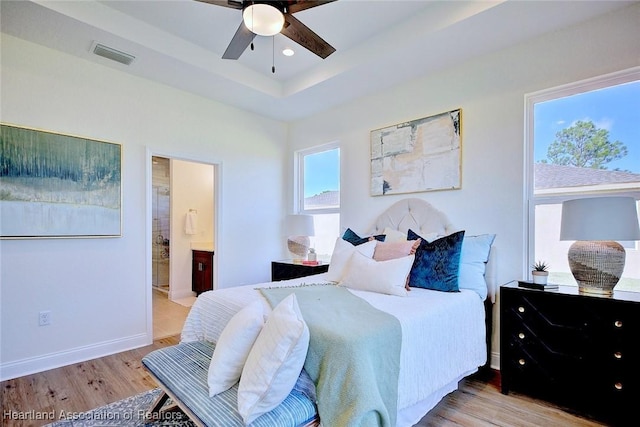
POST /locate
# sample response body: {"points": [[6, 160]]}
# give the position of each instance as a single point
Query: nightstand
{"points": [[287, 269], [579, 351]]}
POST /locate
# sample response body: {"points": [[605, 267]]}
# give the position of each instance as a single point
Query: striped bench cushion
{"points": [[183, 369]]}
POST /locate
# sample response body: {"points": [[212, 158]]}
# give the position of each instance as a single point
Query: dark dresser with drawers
{"points": [[579, 351]]}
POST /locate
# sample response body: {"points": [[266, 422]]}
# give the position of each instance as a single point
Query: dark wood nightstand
{"points": [[580, 351], [287, 269]]}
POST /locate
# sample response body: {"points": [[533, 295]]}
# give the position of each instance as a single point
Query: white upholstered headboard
{"points": [[424, 219]]}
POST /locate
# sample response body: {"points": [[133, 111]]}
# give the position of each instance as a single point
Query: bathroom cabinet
{"points": [[202, 271]]}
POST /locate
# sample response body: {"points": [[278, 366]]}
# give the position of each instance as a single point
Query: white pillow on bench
{"points": [[275, 361], [233, 347]]}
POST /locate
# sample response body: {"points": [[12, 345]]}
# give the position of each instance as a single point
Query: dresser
{"points": [[579, 351], [287, 269], [201, 271]]}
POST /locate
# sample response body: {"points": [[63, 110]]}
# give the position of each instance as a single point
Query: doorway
{"points": [[177, 188]]}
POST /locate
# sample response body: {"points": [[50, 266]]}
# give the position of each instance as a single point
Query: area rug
{"points": [[131, 411]]}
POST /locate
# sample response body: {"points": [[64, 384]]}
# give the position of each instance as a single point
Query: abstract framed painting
{"points": [[416, 156], [58, 186]]}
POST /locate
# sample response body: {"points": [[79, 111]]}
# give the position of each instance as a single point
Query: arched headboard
{"points": [[420, 216], [415, 214]]}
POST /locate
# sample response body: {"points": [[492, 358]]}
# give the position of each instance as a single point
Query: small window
{"points": [[319, 194]]}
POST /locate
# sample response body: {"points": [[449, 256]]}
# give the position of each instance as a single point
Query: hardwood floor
{"points": [[478, 402], [79, 387], [84, 386]]}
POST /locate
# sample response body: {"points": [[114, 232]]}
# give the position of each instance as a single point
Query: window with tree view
{"points": [[319, 194], [586, 142]]}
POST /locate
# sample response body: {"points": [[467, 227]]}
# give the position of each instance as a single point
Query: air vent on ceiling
{"points": [[112, 54]]}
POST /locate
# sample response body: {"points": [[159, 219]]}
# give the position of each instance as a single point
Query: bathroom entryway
{"points": [[182, 219]]}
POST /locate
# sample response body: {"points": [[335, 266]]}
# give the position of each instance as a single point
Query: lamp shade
{"points": [[299, 225], [600, 218]]}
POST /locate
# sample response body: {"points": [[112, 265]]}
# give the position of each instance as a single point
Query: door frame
{"points": [[217, 219]]}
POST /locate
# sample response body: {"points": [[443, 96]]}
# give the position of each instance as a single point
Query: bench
{"points": [[181, 372]]}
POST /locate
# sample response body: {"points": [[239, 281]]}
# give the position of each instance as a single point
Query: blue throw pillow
{"points": [[473, 263], [437, 263], [351, 237]]}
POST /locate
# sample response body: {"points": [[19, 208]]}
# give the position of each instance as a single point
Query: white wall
{"points": [[97, 289], [490, 90]]}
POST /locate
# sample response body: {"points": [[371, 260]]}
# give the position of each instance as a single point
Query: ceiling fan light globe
{"points": [[263, 19]]}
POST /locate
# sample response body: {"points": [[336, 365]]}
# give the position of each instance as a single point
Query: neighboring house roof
{"points": [[560, 176], [323, 200]]}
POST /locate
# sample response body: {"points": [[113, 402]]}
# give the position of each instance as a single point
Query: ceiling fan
{"points": [[281, 20]]}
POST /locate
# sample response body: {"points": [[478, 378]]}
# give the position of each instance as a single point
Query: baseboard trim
{"points": [[34, 365], [495, 360]]}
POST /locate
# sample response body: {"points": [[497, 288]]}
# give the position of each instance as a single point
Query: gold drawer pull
{"points": [[521, 309], [522, 362], [521, 335], [618, 386], [618, 323], [617, 355]]}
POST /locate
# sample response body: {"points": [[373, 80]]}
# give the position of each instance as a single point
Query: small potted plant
{"points": [[540, 272]]}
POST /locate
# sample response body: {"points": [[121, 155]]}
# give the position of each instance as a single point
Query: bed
{"points": [[444, 336]]}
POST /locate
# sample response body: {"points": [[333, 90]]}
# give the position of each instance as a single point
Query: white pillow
{"points": [[233, 347], [385, 277], [342, 252], [473, 262], [275, 361]]}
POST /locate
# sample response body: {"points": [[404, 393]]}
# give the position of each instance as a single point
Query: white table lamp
{"points": [[299, 228], [596, 224]]}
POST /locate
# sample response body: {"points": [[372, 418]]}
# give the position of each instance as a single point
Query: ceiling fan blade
{"points": [[297, 6], [241, 39], [225, 3], [301, 34]]}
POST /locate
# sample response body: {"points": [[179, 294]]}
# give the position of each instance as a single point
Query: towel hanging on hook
{"points": [[191, 222]]}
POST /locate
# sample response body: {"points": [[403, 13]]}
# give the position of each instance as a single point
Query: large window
{"points": [[319, 194], [583, 140]]}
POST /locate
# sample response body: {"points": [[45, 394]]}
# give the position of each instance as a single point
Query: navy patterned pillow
{"points": [[437, 263], [351, 237]]}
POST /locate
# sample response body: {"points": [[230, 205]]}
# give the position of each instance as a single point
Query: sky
{"points": [[616, 109], [322, 172]]}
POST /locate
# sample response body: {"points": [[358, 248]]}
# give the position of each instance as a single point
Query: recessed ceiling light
{"points": [[288, 52]]}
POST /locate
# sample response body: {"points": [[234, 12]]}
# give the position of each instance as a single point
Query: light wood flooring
{"points": [[168, 316], [84, 386]]}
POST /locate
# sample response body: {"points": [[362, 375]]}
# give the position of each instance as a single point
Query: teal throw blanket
{"points": [[353, 358]]}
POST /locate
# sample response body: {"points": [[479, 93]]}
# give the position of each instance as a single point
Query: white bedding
{"points": [[443, 334]]}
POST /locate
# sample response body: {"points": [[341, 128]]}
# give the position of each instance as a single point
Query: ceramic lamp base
{"points": [[298, 246], [597, 266]]}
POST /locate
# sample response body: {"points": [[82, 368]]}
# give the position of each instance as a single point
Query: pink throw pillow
{"points": [[392, 250]]}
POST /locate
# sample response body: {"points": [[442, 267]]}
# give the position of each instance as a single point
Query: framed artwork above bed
{"points": [[416, 156], [56, 185]]}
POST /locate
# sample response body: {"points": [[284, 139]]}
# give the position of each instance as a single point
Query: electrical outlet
{"points": [[44, 318]]}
